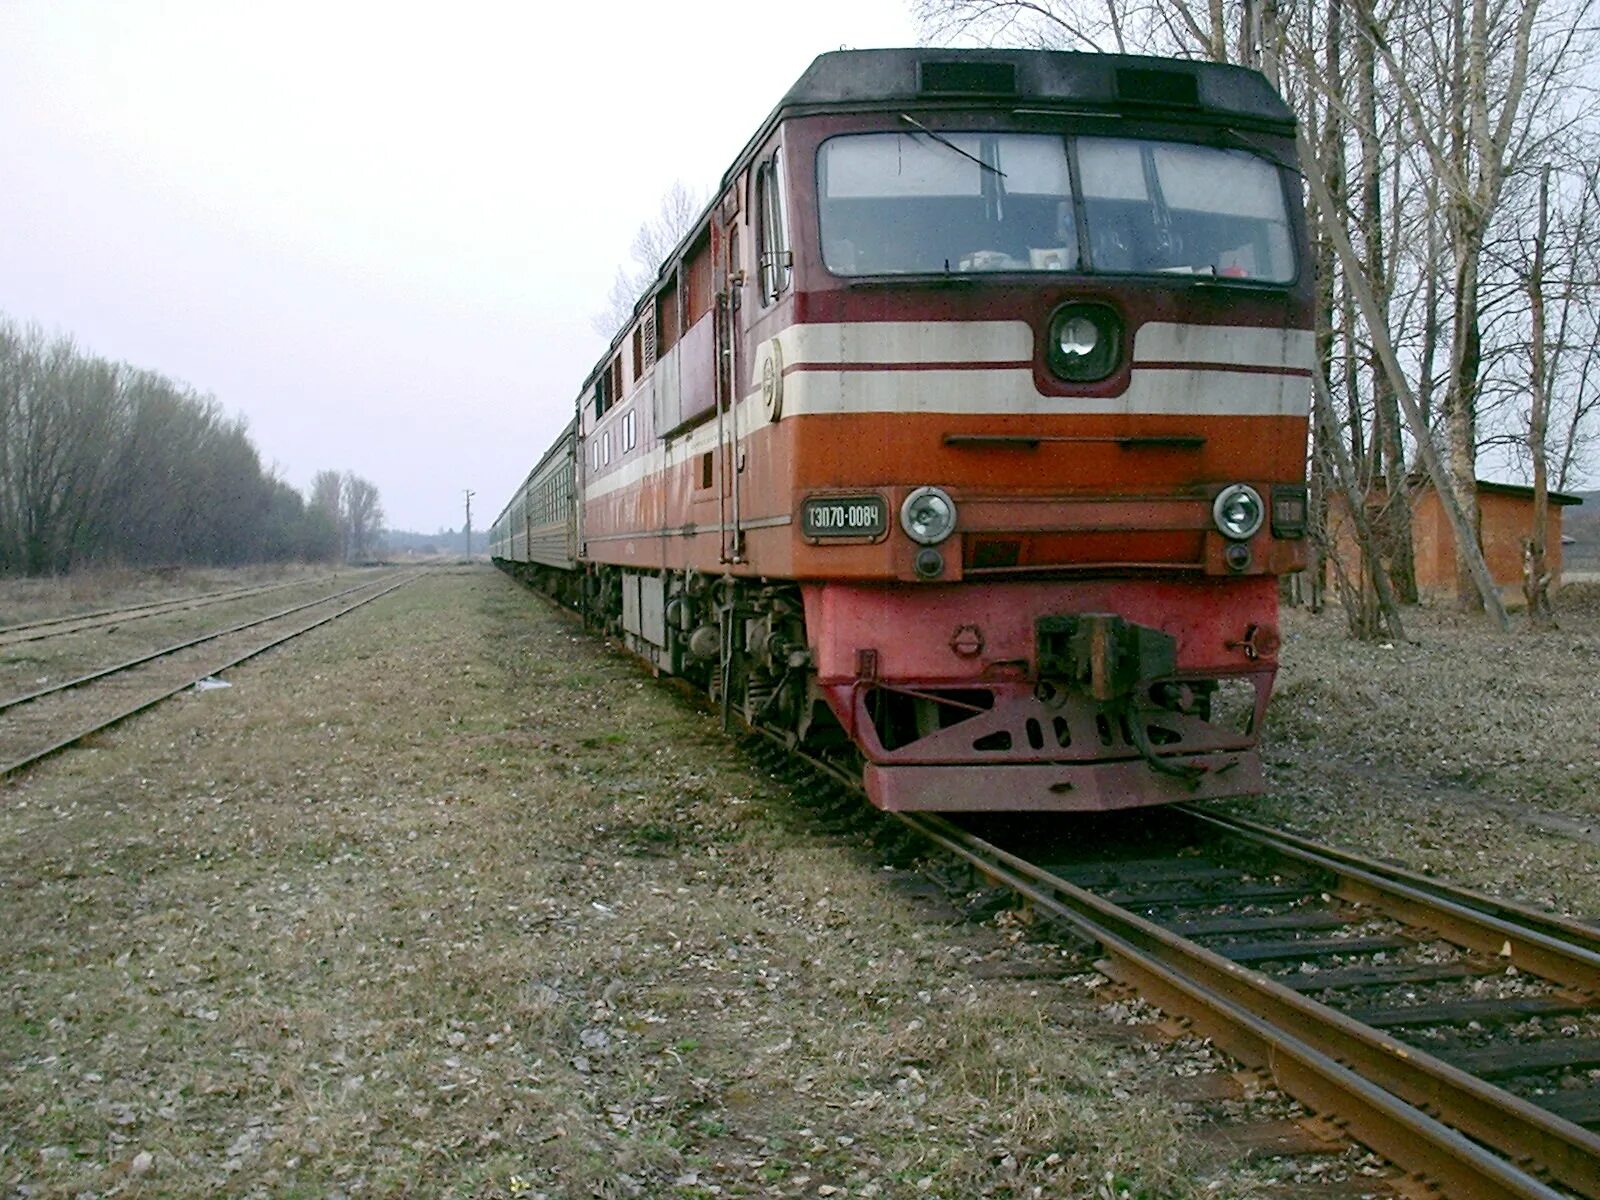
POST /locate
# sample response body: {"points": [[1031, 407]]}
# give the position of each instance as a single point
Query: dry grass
{"points": [[34, 599], [1469, 753], [447, 901]]}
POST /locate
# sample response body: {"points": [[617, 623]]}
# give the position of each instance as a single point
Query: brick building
{"points": [[1505, 521]]}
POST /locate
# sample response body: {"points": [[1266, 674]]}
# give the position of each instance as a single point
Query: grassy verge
{"points": [[447, 901], [1469, 753]]}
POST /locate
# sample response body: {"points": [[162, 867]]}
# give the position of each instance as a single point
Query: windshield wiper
{"points": [[1265, 153], [923, 279], [944, 141]]}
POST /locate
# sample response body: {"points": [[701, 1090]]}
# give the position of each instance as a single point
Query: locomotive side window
{"points": [[772, 213], [932, 202]]}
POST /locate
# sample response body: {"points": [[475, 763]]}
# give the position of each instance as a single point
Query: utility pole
{"points": [[470, 494]]}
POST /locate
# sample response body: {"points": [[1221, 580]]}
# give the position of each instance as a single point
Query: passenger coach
{"points": [[961, 444]]}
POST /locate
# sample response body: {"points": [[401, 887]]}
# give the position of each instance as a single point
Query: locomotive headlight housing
{"points": [[928, 516], [1238, 511], [1085, 342]]}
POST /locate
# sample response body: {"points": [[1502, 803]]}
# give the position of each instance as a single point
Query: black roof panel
{"points": [[1043, 77]]}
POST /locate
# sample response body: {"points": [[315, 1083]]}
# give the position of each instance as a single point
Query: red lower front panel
{"points": [[1097, 787], [939, 689]]}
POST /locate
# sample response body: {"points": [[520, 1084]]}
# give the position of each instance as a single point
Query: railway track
{"points": [[47, 720], [52, 627], [1456, 1035]]}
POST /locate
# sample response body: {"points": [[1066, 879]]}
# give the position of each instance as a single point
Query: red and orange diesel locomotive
{"points": [[962, 442]]}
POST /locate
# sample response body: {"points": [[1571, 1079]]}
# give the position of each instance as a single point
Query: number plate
{"points": [[844, 517]]}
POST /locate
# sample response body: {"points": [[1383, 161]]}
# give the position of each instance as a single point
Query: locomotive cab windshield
{"points": [[929, 202]]}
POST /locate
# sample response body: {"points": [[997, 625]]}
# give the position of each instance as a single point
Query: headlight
{"points": [[1085, 342], [928, 516], [1238, 511]]}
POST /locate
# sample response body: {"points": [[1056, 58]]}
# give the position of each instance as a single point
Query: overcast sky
{"points": [[377, 231]]}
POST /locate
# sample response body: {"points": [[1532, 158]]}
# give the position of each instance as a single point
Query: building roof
{"points": [[1516, 489], [1420, 483]]}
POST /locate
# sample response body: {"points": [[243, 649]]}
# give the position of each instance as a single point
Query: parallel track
{"points": [[50, 742], [34, 631]]}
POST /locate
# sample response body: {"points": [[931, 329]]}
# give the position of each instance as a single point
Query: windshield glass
{"points": [[919, 202]]}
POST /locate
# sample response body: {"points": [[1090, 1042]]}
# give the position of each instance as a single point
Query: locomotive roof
{"points": [[1035, 77]]}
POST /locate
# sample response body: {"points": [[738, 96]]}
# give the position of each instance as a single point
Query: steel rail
{"points": [[1552, 925], [67, 685], [21, 764], [1423, 1114], [135, 612], [1499, 936]]}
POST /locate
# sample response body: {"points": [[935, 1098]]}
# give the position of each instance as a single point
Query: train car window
{"points": [[616, 379], [940, 202], [773, 216], [638, 352], [602, 395]]}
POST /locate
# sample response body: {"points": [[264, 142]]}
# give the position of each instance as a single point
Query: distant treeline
{"points": [[101, 462]]}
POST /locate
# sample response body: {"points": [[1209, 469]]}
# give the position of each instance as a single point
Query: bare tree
{"points": [[1172, 27], [654, 241], [363, 516], [103, 461], [1506, 68], [60, 414]]}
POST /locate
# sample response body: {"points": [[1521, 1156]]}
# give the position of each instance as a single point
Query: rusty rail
{"points": [[65, 743], [1466, 1136]]}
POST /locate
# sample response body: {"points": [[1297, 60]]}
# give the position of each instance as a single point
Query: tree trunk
{"points": [[1535, 574], [1388, 455], [1461, 412]]}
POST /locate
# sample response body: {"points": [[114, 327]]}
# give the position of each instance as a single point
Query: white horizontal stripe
{"points": [[1012, 341], [908, 342], [681, 451], [1198, 393], [1239, 345]]}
